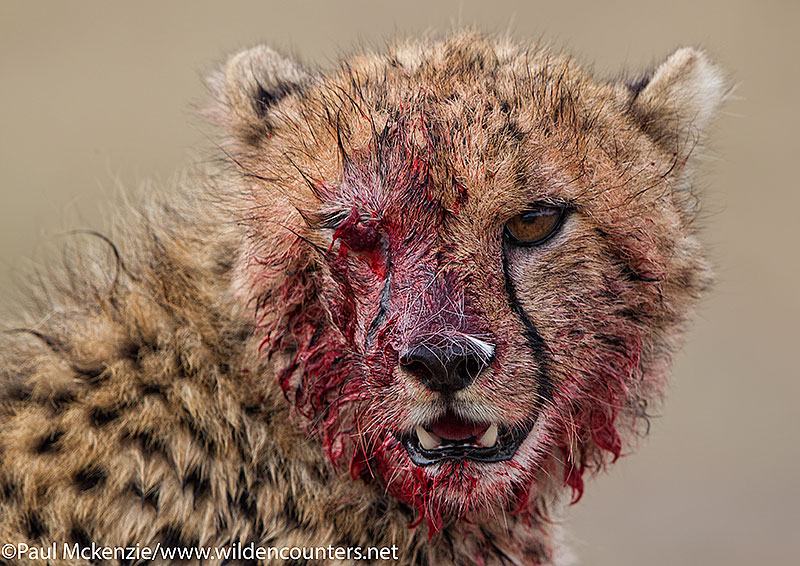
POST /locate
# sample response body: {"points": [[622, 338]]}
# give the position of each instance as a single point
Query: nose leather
{"points": [[446, 369]]}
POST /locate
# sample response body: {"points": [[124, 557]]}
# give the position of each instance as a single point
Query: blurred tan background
{"points": [[98, 95]]}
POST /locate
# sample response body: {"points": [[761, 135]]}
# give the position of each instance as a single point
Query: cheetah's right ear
{"points": [[676, 101], [249, 87]]}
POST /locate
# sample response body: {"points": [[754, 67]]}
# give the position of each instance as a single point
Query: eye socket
{"points": [[536, 225]]}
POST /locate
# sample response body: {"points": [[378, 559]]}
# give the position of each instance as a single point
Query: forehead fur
{"points": [[488, 114]]}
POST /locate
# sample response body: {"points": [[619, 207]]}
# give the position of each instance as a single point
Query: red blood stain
{"points": [[364, 239]]}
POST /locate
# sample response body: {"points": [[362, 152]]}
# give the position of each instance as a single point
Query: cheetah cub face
{"points": [[469, 260]]}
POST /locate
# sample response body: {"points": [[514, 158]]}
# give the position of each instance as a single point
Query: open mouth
{"points": [[452, 438]]}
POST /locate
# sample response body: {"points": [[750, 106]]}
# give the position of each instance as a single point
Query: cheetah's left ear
{"points": [[675, 103], [250, 86]]}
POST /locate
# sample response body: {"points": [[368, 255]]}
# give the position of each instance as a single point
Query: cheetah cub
{"points": [[419, 300]]}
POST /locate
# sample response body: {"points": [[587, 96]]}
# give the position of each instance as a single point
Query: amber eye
{"points": [[535, 226]]}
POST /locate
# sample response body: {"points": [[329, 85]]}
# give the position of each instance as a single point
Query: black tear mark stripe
{"points": [[383, 308], [535, 341]]}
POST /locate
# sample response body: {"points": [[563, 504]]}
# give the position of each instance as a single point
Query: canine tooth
{"points": [[489, 438], [428, 440]]}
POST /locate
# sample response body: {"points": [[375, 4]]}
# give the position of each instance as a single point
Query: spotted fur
{"points": [[232, 375]]}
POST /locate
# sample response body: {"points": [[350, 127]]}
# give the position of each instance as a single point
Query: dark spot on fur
{"points": [[266, 99], [449, 543], [406, 510], [380, 507], [186, 368], [89, 477], [100, 416], [41, 493], [291, 514], [198, 485], [511, 130], [154, 389], [252, 410], [131, 351], [198, 432], [461, 59], [637, 86], [52, 343], [8, 489], [275, 473], [92, 375], [223, 265], [34, 526], [520, 175], [629, 274], [318, 472], [613, 344], [61, 400], [49, 442], [420, 556], [148, 443], [221, 521], [634, 314], [245, 503], [148, 496], [172, 537], [80, 536], [17, 392]]}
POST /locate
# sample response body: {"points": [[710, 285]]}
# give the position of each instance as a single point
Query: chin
{"points": [[451, 467]]}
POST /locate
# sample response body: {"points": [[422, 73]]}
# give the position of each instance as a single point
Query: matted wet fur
{"points": [[242, 370]]}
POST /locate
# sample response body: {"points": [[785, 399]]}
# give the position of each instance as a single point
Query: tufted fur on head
{"points": [[335, 335]]}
